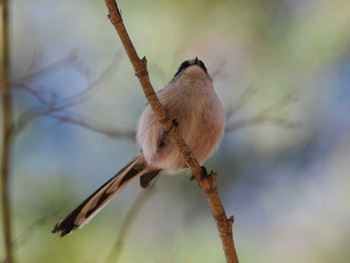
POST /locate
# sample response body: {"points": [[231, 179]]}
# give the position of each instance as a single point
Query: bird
{"points": [[198, 115]]}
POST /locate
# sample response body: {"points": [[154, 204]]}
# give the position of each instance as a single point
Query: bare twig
{"points": [[265, 116], [142, 198], [50, 107], [208, 185], [6, 119], [37, 56], [23, 237], [261, 119], [243, 99], [111, 132], [33, 72]]}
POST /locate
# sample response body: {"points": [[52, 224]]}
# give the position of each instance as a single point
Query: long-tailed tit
{"points": [[190, 100]]}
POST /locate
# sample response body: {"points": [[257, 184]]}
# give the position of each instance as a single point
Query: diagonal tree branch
{"points": [[208, 185]]}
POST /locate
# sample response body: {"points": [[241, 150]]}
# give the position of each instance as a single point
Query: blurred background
{"points": [[282, 71]]}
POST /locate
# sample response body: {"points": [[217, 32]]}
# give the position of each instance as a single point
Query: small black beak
{"points": [[196, 60]]}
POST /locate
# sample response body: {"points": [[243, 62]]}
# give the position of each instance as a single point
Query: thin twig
{"points": [[243, 99], [37, 56], [6, 119], [265, 116], [48, 107], [27, 232], [33, 72], [142, 198], [111, 132], [260, 119], [208, 185]]}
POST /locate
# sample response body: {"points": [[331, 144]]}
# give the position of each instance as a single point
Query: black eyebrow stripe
{"points": [[183, 66], [187, 64]]}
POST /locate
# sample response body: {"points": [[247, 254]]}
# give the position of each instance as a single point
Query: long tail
{"points": [[96, 201]]}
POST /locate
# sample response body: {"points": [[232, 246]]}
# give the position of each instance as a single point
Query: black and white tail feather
{"points": [[97, 200]]}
